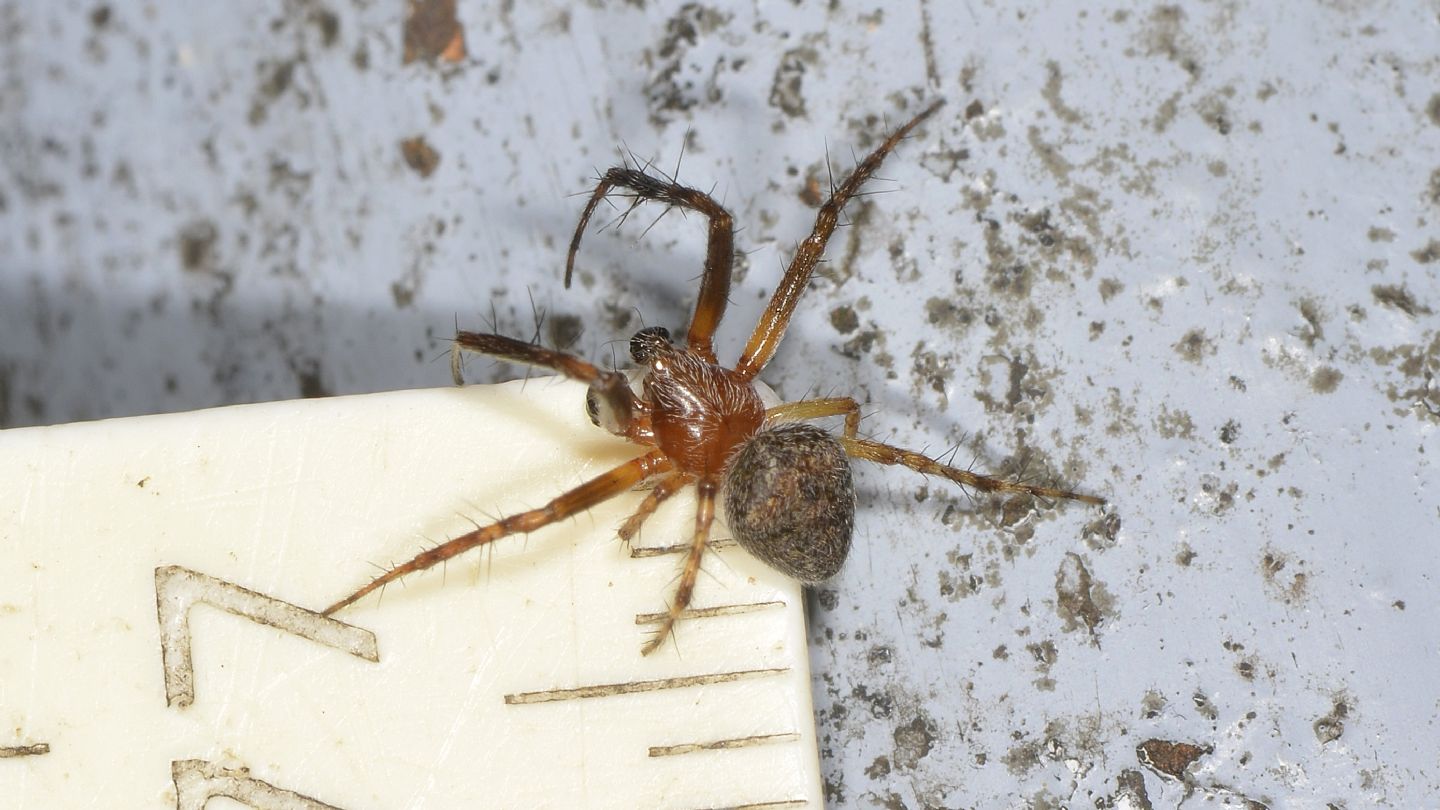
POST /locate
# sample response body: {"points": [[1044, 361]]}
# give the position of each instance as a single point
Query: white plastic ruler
{"points": [[158, 645]]}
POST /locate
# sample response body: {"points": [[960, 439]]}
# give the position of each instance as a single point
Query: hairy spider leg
{"points": [[719, 253], [807, 409], [776, 318], [921, 463], [707, 489], [658, 495], [520, 351], [589, 494], [867, 450], [629, 411]]}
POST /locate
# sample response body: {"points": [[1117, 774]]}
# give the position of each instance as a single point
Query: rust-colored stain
{"points": [[432, 32], [1169, 758], [420, 155]]}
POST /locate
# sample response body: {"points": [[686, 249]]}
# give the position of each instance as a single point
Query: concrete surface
{"points": [[1183, 256]]}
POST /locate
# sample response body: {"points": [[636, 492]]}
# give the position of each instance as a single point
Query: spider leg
{"points": [[595, 491], [719, 253], [625, 411], [530, 354], [886, 454], [657, 496], [808, 409], [704, 516], [776, 318]]}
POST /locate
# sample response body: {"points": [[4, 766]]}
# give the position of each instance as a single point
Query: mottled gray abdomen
{"points": [[790, 501]]}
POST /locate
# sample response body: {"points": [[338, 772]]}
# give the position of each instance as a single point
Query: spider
{"points": [[789, 497]]}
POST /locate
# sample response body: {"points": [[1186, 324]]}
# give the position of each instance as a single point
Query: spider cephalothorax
{"points": [[789, 499]]}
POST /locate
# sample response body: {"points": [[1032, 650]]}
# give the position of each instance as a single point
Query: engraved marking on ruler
{"points": [[707, 613], [198, 781], [177, 589], [722, 745], [32, 750], [782, 804], [632, 687]]}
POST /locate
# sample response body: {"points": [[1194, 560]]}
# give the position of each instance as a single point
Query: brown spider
{"points": [[789, 497]]}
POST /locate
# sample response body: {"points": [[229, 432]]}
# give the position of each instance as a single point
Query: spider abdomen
{"points": [[790, 500]]}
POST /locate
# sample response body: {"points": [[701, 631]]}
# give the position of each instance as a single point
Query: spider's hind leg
{"points": [[807, 409], [921, 463], [704, 517]]}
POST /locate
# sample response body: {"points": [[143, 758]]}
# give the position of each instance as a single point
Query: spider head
{"points": [[648, 342]]}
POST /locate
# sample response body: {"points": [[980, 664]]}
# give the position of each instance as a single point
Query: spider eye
{"points": [[647, 342]]}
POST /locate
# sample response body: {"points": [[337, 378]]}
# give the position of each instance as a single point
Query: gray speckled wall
{"points": [[1183, 256]]}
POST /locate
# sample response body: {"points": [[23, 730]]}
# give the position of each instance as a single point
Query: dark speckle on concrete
{"points": [[1331, 727], [197, 246], [827, 598], [1080, 601], [327, 23], [1229, 432], [1285, 577], [913, 742], [1325, 379], [1428, 253], [1194, 347], [1130, 791], [1109, 288], [787, 89], [1398, 297], [563, 330], [420, 155]]}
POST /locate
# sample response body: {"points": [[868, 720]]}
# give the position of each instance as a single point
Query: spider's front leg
{"points": [[613, 404], [719, 254]]}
